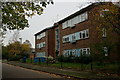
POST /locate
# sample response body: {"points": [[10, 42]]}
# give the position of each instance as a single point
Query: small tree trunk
{"points": [[31, 60], [91, 66]]}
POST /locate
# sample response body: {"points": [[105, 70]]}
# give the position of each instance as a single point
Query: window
{"points": [[72, 22], [40, 45], [64, 25], [83, 17], [41, 35], [104, 32], [77, 52], [73, 37], [102, 13], [86, 15], [83, 33], [105, 51], [65, 53], [37, 45], [43, 44], [75, 20], [73, 52], [64, 39], [79, 18], [88, 51], [85, 51], [76, 36], [40, 54], [80, 34], [87, 33]]}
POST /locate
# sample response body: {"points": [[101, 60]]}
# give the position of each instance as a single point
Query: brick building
{"points": [[44, 43], [74, 34]]}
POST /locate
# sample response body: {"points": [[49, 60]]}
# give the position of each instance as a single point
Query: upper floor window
{"points": [[73, 37], [76, 36], [102, 13], [41, 45], [104, 32], [83, 33], [41, 35], [70, 23], [66, 38], [105, 51]]}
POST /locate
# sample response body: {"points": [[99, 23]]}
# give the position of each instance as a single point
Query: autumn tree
{"points": [[14, 50], [14, 37], [14, 13], [17, 50], [107, 22], [108, 16]]}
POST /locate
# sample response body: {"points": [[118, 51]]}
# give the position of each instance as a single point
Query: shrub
{"points": [[81, 59]]}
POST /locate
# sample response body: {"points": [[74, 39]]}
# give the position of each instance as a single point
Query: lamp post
{"points": [[20, 40]]}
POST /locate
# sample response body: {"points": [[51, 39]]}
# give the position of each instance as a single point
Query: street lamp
{"points": [[20, 40]]}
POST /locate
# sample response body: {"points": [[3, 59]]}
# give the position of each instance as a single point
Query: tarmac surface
{"points": [[10, 71]]}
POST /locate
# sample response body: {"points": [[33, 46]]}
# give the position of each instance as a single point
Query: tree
{"points": [[14, 50], [26, 49], [106, 19], [14, 13], [108, 16], [28, 43], [14, 37], [17, 50]]}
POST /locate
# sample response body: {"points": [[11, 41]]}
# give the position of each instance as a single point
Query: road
{"points": [[10, 71]]}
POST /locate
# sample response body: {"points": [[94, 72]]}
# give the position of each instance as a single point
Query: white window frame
{"points": [[105, 50], [86, 32], [73, 37], [104, 33]]}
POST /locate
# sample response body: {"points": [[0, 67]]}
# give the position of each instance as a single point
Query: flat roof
{"points": [[83, 9], [43, 30]]}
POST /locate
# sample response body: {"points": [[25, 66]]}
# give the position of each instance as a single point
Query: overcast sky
{"points": [[51, 14]]}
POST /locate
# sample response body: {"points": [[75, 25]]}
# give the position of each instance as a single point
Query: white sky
{"points": [[51, 14]]}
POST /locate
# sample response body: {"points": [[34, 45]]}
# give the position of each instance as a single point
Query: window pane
{"points": [[83, 34], [87, 33], [79, 18], [80, 35], [104, 32], [77, 36], [88, 51]]}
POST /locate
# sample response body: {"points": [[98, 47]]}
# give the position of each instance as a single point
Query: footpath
{"points": [[68, 73]]}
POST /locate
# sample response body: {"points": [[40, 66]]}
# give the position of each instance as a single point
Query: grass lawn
{"points": [[112, 68]]}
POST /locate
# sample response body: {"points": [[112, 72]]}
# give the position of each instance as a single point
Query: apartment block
{"points": [[44, 43], [74, 34]]}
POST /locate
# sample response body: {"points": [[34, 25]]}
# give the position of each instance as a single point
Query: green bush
{"points": [[85, 59], [81, 59]]}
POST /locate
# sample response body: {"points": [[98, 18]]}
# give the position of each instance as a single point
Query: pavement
{"points": [[0, 70], [70, 74]]}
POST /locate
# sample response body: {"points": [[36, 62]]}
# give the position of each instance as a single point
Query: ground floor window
{"points": [[40, 54], [76, 52]]}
